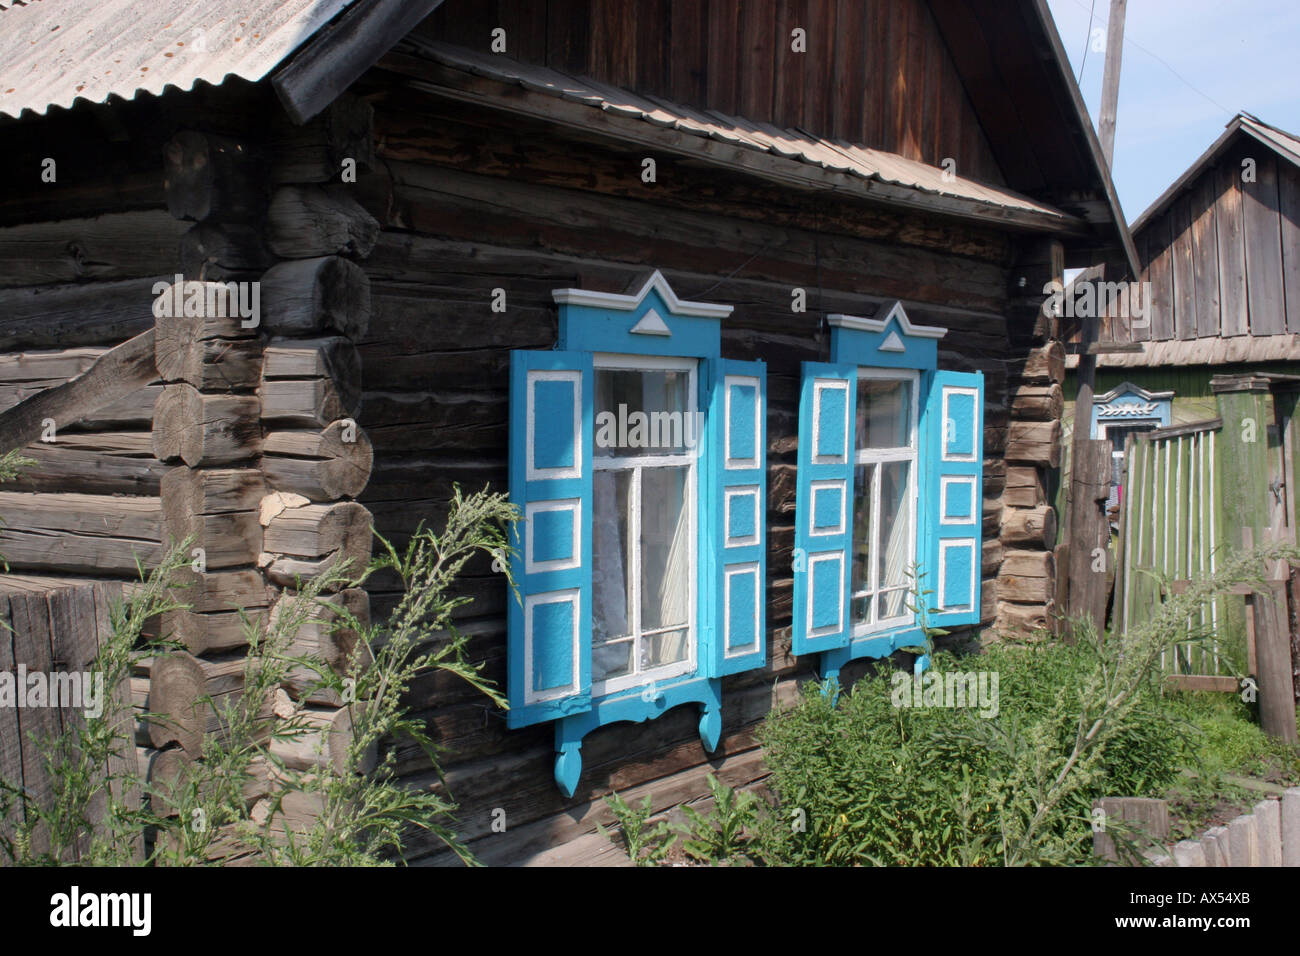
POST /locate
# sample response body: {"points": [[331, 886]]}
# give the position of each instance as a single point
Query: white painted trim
{"points": [[652, 323], [976, 426], [842, 487], [572, 596], [739, 464], [532, 472], [735, 491], [825, 385], [896, 310], [944, 482], [730, 572], [574, 507], [1128, 388], [945, 545], [839, 558], [629, 303]]}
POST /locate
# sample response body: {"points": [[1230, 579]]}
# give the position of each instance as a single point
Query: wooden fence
{"points": [[54, 627], [1171, 531]]}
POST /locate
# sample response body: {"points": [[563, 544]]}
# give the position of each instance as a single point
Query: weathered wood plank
{"points": [[1232, 250], [1263, 238]]}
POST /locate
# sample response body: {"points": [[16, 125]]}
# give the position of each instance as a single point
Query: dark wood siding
{"points": [[876, 72]]}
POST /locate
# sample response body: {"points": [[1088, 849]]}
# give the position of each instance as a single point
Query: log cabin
{"points": [[487, 243]]}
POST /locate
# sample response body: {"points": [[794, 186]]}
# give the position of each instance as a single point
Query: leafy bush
{"points": [[359, 816]]}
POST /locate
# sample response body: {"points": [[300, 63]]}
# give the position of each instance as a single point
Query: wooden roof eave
{"points": [[444, 81], [1208, 158]]}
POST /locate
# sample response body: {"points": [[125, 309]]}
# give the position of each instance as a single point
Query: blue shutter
{"points": [[823, 508], [952, 459], [551, 416], [738, 506]]}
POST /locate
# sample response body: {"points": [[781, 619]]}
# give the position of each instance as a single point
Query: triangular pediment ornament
{"points": [[652, 323], [892, 343]]}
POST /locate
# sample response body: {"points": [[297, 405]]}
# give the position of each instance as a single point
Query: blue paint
{"points": [[553, 535], [740, 424], [817, 600], [832, 411], [743, 603], [950, 550], [738, 437], [821, 593], [958, 563], [827, 508], [553, 423], [741, 519], [552, 628], [957, 500], [960, 424], [553, 648]]}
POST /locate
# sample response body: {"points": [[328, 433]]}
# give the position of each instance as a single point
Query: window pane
{"points": [[666, 648], [665, 548], [611, 660], [884, 413], [892, 604], [895, 524], [643, 413], [860, 571], [611, 556]]}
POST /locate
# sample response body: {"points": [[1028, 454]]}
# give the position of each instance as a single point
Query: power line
{"points": [[1087, 36], [1129, 41]]}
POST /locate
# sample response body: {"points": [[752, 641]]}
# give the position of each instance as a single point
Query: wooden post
{"points": [[1110, 81], [1273, 656]]}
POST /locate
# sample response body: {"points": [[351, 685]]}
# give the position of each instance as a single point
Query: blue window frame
{"points": [[889, 489], [640, 562]]}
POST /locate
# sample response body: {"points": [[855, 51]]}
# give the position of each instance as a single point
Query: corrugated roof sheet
{"points": [[794, 144], [54, 52]]}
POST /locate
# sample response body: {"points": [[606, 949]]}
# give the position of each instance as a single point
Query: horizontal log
{"points": [[212, 621], [1036, 564], [316, 531], [217, 509], [80, 534], [992, 517], [203, 429], [1036, 443], [1043, 365], [1042, 403], [214, 350], [1029, 527], [991, 558], [84, 313], [306, 402], [171, 771], [324, 465], [1022, 618], [191, 697], [319, 295], [314, 152], [322, 742], [324, 634], [222, 251], [303, 222], [212, 177], [110, 463], [1024, 487], [120, 245]]}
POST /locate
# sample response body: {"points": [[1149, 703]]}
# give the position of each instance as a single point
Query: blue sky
{"points": [[1239, 55]]}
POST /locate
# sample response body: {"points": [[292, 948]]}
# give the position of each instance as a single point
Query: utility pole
{"points": [[1088, 523], [1110, 81]]}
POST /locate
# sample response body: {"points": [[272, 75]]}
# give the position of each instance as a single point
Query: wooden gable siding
{"points": [[470, 202], [876, 72], [1223, 259]]}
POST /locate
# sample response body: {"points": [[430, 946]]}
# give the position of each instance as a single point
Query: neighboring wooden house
{"points": [[815, 233], [1221, 251]]}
